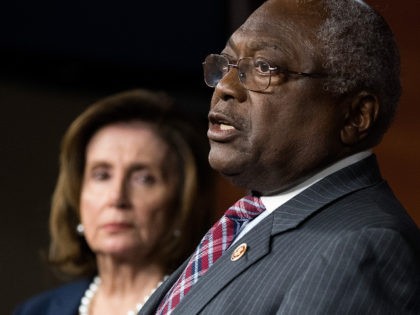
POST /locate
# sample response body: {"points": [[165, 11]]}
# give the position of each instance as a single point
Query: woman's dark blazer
{"points": [[63, 300]]}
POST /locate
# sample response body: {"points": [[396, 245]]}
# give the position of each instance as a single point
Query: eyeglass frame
{"points": [[282, 70]]}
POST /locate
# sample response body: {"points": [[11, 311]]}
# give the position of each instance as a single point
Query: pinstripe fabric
{"points": [[343, 246], [211, 248]]}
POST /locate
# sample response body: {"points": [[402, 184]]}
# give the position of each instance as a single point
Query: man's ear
{"points": [[360, 117]]}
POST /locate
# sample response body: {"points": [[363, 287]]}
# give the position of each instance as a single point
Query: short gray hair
{"points": [[360, 53]]}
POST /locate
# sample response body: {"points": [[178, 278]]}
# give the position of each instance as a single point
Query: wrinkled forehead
{"points": [[286, 25], [301, 15]]}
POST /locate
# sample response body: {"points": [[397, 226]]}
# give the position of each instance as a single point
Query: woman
{"points": [[132, 200]]}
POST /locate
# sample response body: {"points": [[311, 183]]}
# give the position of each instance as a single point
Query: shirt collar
{"points": [[273, 202]]}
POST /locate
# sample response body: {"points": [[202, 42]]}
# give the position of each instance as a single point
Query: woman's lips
{"points": [[116, 226]]}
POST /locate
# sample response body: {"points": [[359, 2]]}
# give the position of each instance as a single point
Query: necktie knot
{"points": [[245, 209]]}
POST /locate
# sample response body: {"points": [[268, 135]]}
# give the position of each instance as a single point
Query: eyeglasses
{"points": [[254, 74]]}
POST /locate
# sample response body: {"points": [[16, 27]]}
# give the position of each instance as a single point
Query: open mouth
{"points": [[221, 128], [222, 121], [226, 127]]}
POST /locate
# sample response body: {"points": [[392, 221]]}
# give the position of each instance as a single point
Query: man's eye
{"points": [[262, 67]]}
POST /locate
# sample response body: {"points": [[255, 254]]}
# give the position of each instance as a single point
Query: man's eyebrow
{"points": [[260, 45], [263, 45]]}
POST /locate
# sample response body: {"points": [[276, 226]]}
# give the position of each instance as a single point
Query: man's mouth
{"points": [[221, 129], [226, 127]]}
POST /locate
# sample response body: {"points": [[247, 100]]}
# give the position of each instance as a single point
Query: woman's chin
{"points": [[120, 250]]}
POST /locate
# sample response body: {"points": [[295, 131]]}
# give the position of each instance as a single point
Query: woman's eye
{"points": [[100, 175], [144, 178]]}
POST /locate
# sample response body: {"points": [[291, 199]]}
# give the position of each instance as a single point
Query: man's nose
{"points": [[230, 86]]}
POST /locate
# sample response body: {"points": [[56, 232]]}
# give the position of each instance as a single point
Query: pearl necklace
{"points": [[93, 288]]}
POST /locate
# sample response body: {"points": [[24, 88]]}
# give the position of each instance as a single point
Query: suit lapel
{"points": [[153, 302], [300, 208], [225, 270]]}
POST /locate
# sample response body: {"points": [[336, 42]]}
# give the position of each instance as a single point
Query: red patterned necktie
{"points": [[211, 247]]}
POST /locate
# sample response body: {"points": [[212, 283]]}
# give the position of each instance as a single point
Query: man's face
{"points": [[268, 141]]}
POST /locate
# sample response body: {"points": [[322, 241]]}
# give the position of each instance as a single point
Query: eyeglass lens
{"points": [[217, 66]]}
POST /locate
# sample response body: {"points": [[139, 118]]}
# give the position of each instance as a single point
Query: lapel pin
{"points": [[238, 252]]}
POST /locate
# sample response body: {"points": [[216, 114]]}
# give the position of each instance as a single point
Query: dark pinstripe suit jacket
{"points": [[343, 246]]}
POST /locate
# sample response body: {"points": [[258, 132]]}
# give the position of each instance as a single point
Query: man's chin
{"points": [[223, 163], [230, 171]]}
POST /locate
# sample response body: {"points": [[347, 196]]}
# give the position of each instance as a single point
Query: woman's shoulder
{"points": [[63, 300]]}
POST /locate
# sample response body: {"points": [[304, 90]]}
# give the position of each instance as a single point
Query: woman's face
{"points": [[127, 190]]}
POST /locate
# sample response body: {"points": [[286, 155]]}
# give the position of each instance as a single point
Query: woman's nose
{"points": [[120, 195]]}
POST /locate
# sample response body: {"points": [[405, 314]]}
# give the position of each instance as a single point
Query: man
{"points": [[302, 92]]}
